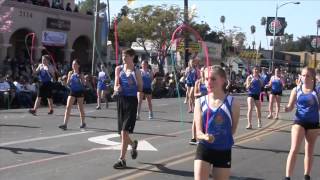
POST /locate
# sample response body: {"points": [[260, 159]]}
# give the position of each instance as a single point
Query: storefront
{"points": [[37, 30]]}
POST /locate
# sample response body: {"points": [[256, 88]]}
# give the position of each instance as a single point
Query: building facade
{"points": [[37, 30]]}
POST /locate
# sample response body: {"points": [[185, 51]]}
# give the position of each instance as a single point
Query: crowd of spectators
{"points": [[18, 84], [56, 4]]}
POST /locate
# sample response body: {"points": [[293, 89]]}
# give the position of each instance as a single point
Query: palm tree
{"points": [[223, 20], [264, 23], [253, 30]]}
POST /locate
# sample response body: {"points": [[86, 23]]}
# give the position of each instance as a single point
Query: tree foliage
{"points": [[153, 23], [89, 6]]}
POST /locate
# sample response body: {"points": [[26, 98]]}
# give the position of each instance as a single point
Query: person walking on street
{"points": [[147, 77], [46, 74], [76, 83], [306, 121], [254, 84], [128, 82], [200, 90], [216, 116], [276, 83], [103, 79]]}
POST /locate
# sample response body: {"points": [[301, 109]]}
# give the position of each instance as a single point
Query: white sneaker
{"points": [[150, 115]]}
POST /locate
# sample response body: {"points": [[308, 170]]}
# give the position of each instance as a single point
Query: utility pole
{"points": [[95, 32], [186, 42]]}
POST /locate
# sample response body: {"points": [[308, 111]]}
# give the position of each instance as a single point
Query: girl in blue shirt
{"points": [[216, 116], [254, 84], [46, 74], [147, 77], [276, 84], [102, 90], [306, 121], [76, 84], [200, 90], [191, 78]]}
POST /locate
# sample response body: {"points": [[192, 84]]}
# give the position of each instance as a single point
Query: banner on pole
{"points": [[278, 26]]}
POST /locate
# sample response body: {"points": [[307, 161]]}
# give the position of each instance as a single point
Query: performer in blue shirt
{"points": [[128, 82], [147, 77], [46, 74], [306, 121], [102, 87], [216, 116], [276, 84], [253, 85], [191, 78], [200, 90], [76, 84]]}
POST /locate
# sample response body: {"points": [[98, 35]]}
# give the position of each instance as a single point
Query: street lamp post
{"points": [[274, 27]]}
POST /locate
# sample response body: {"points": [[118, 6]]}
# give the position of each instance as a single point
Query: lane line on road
{"points": [[80, 152], [76, 153], [187, 157], [43, 138], [238, 139]]}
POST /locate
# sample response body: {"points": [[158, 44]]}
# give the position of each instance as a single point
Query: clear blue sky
{"points": [[301, 18]]}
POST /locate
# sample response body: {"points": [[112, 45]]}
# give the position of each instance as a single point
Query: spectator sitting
{"points": [[25, 92], [4, 91], [12, 94], [68, 8]]}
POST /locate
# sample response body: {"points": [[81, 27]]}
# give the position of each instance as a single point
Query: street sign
{"points": [[192, 47], [277, 25], [314, 43], [143, 145]]}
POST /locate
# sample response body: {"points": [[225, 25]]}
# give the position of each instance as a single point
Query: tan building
{"points": [[307, 58], [64, 34]]}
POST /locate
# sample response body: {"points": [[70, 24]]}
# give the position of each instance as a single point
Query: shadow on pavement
{"points": [[16, 125], [115, 131], [164, 170], [88, 116], [32, 150], [269, 150], [244, 178], [170, 120]]}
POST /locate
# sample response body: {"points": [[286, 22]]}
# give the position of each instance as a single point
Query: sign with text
{"points": [[60, 24], [315, 42], [51, 38], [278, 25], [192, 46]]}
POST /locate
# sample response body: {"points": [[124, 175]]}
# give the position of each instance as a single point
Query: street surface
{"points": [[34, 148]]}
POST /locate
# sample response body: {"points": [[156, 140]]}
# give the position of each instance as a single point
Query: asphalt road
{"points": [[33, 147]]}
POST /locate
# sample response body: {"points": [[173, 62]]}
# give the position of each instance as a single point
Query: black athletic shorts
{"points": [[127, 112], [218, 158], [45, 90], [147, 91], [254, 96], [276, 93], [77, 94], [307, 126], [191, 84]]}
